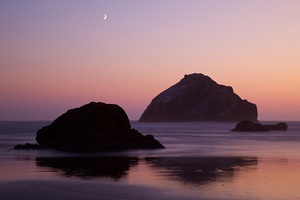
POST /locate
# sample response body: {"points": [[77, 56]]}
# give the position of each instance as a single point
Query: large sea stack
{"points": [[197, 97], [94, 127]]}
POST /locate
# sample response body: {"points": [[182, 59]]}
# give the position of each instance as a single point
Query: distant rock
{"points": [[94, 127], [27, 146], [198, 98], [249, 126], [282, 126]]}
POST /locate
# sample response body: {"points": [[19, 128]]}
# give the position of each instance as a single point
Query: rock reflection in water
{"points": [[89, 167], [189, 170], [200, 170]]}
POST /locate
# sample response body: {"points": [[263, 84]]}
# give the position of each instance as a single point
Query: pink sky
{"points": [[56, 55]]}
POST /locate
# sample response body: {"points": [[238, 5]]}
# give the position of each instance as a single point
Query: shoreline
{"points": [[91, 190], [151, 178]]}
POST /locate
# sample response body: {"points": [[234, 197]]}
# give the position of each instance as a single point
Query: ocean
{"points": [[201, 161]]}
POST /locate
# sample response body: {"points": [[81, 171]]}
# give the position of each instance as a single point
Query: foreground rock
{"points": [[249, 126], [94, 127], [198, 98]]}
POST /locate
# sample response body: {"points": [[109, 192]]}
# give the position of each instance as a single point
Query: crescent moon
{"points": [[105, 16]]}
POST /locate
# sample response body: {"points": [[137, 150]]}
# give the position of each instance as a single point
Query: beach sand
{"points": [[150, 178], [74, 189]]}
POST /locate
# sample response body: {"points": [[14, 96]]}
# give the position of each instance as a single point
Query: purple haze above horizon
{"points": [[60, 54]]}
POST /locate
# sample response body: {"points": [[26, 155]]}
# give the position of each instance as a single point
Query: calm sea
{"points": [[205, 158]]}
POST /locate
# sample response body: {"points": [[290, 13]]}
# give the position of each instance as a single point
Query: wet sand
{"points": [[150, 178], [89, 190]]}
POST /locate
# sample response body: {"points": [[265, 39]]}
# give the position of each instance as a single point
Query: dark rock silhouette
{"points": [[27, 146], [93, 127], [198, 98], [250, 127], [257, 127], [282, 126]]}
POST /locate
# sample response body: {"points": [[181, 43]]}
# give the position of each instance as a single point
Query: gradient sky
{"points": [[60, 54]]}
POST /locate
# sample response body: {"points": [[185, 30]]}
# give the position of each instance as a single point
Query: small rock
{"points": [[257, 127], [282, 126], [27, 146], [250, 127]]}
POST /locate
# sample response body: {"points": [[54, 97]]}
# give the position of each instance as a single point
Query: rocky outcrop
{"points": [[94, 127], [248, 126], [282, 126], [198, 98], [27, 146]]}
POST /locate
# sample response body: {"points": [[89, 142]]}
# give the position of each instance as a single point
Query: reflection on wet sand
{"points": [[200, 170], [89, 167], [192, 170]]}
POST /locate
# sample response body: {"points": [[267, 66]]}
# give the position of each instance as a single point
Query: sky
{"points": [[60, 54]]}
